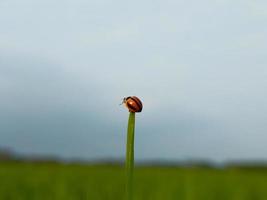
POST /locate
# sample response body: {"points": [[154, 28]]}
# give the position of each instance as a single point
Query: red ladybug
{"points": [[133, 104]]}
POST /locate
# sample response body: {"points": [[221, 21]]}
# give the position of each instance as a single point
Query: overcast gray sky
{"points": [[198, 66]]}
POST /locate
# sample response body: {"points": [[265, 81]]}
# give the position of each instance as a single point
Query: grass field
{"points": [[24, 181]]}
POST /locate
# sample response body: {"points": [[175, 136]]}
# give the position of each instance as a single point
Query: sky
{"points": [[198, 66]]}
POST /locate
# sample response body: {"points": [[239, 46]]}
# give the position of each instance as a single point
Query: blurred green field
{"points": [[25, 181]]}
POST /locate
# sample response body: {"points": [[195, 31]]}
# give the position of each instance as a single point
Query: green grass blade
{"points": [[130, 157]]}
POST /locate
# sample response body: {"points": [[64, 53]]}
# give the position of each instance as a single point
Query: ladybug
{"points": [[133, 104]]}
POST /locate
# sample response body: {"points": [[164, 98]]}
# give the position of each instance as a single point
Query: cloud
{"points": [[199, 67]]}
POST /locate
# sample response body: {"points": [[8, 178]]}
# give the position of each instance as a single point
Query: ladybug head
{"points": [[123, 100]]}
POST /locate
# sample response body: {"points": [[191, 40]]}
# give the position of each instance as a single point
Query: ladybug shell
{"points": [[133, 104]]}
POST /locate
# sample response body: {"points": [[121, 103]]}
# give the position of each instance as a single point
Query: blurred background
{"points": [[198, 66]]}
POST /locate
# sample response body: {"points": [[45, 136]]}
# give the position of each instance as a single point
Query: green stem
{"points": [[130, 156]]}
